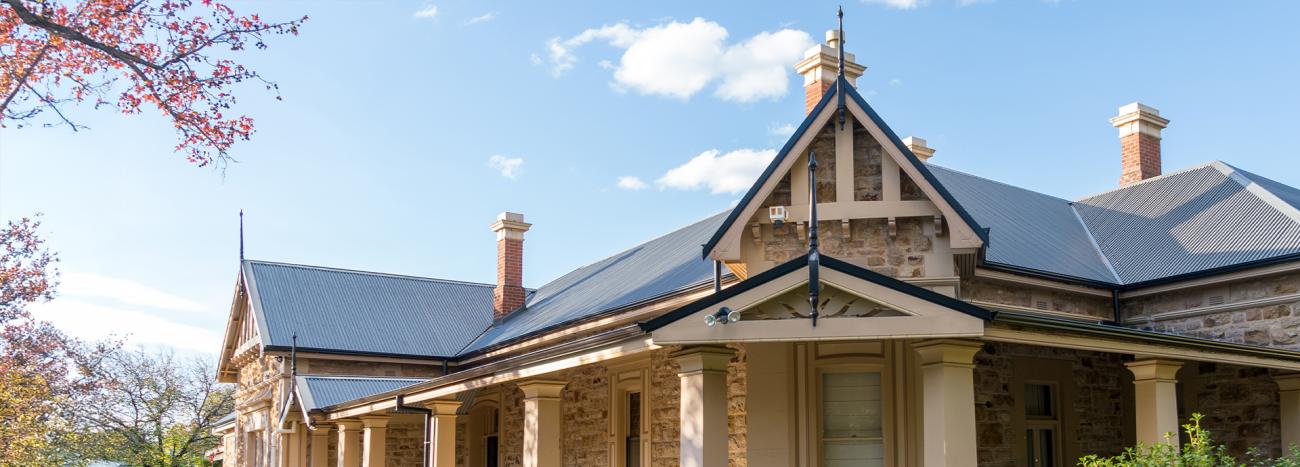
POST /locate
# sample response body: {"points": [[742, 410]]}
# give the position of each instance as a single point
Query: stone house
{"points": [[958, 321]]}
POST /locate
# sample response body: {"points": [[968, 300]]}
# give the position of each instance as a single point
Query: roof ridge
{"points": [[1152, 179], [1096, 246], [1264, 194], [374, 273], [1008, 185]]}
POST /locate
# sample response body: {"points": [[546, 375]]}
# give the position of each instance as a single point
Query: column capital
{"points": [[1287, 381], [702, 358], [348, 425], [542, 388], [375, 421], [443, 406], [1148, 369], [951, 352]]}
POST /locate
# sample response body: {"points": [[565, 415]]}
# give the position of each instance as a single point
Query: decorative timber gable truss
{"points": [[860, 303], [898, 167], [244, 331]]}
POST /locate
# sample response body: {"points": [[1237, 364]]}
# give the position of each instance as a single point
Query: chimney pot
{"points": [[509, 293], [918, 148], [1139, 136]]}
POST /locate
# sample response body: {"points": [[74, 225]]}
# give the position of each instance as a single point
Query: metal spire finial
{"points": [[839, 80], [840, 14], [241, 234], [814, 256], [293, 355]]}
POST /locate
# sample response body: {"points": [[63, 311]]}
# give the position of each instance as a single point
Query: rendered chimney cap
{"points": [[918, 148], [510, 216]]}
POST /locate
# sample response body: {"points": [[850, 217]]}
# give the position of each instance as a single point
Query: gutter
{"points": [[611, 336], [1106, 329]]}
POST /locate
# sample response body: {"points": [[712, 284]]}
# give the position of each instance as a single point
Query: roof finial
{"points": [[814, 257], [241, 234], [840, 14], [839, 80]]}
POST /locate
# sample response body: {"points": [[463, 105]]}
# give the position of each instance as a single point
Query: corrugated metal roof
{"points": [[1202, 218], [324, 391], [654, 268], [364, 312], [1027, 229]]}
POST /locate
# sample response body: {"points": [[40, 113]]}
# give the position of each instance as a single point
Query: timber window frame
{"points": [[816, 360], [626, 380], [1058, 376]]}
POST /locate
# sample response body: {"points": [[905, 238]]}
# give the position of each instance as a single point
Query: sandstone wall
{"points": [[1262, 311], [404, 444], [1096, 417], [585, 406], [1021, 295], [869, 245], [1240, 405], [321, 366]]}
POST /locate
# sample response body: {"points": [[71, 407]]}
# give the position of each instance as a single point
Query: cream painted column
{"points": [[320, 446], [291, 447], [542, 426], [1155, 390], [703, 405], [349, 448], [1289, 391], [948, 402], [373, 444], [442, 433]]}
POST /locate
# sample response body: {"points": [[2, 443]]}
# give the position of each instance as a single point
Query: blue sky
{"points": [[380, 157]]}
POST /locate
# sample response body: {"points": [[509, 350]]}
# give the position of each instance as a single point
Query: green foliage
{"points": [[1199, 451]]}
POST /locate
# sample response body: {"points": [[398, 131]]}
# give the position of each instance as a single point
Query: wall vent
{"points": [[1214, 300], [1041, 304]]}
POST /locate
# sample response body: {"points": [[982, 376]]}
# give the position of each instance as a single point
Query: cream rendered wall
{"points": [[770, 392]]}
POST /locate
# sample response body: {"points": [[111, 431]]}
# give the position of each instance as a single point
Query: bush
{"points": [[1200, 451]]}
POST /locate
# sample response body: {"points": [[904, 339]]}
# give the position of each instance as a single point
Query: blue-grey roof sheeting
{"points": [[324, 391], [1194, 220], [1027, 229], [652, 269], [363, 312]]}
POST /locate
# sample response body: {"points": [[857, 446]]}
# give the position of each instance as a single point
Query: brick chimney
{"points": [[918, 148], [1139, 139], [509, 294], [819, 67]]}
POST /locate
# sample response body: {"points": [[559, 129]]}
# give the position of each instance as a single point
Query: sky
{"points": [[406, 126]]}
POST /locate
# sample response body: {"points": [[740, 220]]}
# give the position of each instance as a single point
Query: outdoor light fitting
{"points": [[724, 315]]}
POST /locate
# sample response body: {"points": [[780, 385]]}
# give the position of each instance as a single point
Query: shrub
{"points": [[1200, 451]]}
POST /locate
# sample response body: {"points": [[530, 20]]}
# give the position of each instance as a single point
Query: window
{"points": [[491, 435], [1042, 425], [852, 432], [632, 442]]}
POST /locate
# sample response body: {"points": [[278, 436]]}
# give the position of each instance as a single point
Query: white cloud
{"points": [[123, 291], [899, 4], [631, 183], [483, 18], [732, 172], [91, 321], [781, 130], [508, 166], [678, 60], [427, 12]]}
